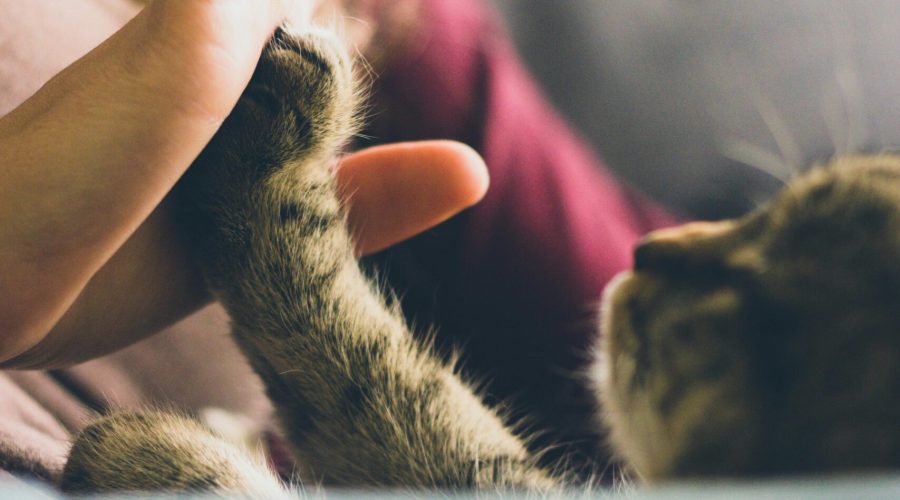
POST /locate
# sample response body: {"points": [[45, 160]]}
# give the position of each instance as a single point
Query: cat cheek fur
{"points": [[627, 416]]}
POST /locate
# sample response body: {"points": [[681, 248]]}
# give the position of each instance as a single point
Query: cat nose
{"points": [[669, 247]]}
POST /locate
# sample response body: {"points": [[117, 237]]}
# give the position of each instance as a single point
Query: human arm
{"points": [[89, 258]]}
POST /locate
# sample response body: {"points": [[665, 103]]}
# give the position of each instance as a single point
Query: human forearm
{"points": [[88, 158], [147, 285]]}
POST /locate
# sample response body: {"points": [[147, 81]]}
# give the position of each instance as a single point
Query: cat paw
{"points": [[159, 452], [306, 82], [300, 102], [297, 111], [299, 107]]}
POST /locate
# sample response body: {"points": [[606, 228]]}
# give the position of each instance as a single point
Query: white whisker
{"points": [[778, 129], [843, 109], [757, 157]]}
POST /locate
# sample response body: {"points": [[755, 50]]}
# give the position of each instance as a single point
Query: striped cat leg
{"points": [[361, 402]]}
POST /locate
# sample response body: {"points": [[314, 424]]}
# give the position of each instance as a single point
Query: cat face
{"points": [[767, 344]]}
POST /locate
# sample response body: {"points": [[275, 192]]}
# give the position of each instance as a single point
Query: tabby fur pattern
{"points": [[758, 346]]}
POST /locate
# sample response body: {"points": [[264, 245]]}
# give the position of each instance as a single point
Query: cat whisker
{"points": [[843, 107], [758, 158], [778, 129], [831, 117]]}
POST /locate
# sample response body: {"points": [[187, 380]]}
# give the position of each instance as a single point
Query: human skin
{"points": [[90, 260]]}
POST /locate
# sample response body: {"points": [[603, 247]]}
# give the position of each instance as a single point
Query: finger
{"points": [[397, 191]]}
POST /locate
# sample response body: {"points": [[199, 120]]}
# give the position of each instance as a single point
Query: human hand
{"points": [[89, 259]]}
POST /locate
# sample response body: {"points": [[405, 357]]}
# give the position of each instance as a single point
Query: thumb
{"points": [[399, 190]]}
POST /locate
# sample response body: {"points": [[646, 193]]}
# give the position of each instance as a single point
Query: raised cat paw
{"points": [[298, 106], [301, 95], [276, 146]]}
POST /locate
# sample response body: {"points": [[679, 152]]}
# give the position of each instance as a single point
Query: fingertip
{"points": [[396, 191], [469, 171], [450, 170]]}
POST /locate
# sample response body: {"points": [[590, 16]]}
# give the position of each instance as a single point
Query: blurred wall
{"points": [[677, 94]]}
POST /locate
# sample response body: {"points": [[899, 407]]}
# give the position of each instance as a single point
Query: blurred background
{"points": [[706, 104]]}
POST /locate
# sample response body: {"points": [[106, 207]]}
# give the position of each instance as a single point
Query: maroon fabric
{"points": [[555, 225], [514, 281]]}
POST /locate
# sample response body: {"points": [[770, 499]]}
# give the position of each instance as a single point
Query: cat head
{"points": [[767, 344]]}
